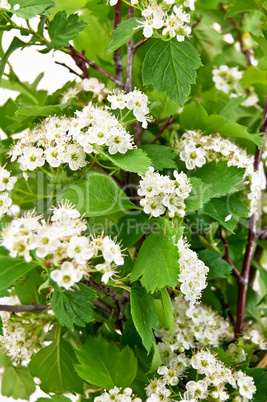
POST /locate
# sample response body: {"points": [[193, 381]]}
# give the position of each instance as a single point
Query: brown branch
{"points": [[106, 291], [81, 62], [261, 232], [246, 52], [252, 236], [140, 43], [169, 123], [137, 133], [104, 307], [198, 21], [69, 68], [227, 257], [117, 56], [21, 309], [130, 57]]}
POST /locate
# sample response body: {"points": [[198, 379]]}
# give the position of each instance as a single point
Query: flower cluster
{"points": [[136, 101], [59, 140], [194, 327], [118, 395], [23, 333], [196, 149], [93, 85], [61, 243], [169, 16], [161, 193], [192, 274], [227, 80], [7, 183]]}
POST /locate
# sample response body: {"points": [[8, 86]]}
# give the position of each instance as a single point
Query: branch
{"points": [[106, 291], [140, 43], [20, 309], [130, 57], [81, 61], [261, 232], [117, 57], [245, 51], [227, 257], [169, 123], [252, 236], [69, 68]]}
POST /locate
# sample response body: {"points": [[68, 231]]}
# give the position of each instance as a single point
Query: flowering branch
{"points": [[20, 309], [227, 257], [117, 57], [81, 61], [252, 236], [169, 123]]}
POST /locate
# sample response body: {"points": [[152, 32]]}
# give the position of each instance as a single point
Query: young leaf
{"points": [[162, 156], [227, 210], [97, 195], [135, 160], [157, 260], [17, 383], [31, 8], [12, 269], [171, 67], [62, 29], [73, 307], [103, 364], [144, 315], [124, 31], [218, 267], [53, 365]]}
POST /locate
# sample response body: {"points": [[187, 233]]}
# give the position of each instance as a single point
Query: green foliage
{"points": [[135, 160], [97, 195], [158, 268], [162, 157], [73, 307], [218, 268], [171, 67], [64, 28], [241, 6], [124, 31], [103, 364], [36, 111], [31, 8], [13, 269], [164, 310], [54, 398], [15, 44], [144, 315], [17, 383], [27, 286], [53, 365], [259, 375]]}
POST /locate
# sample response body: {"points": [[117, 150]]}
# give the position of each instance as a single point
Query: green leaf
{"points": [[97, 195], [15, 44], [162, 156], [17, 383], [73, 307], [31, 8], [1, 327], [54, 398], [62, 29], [164, 310], [53, 365], [260, 379], [199, 194], [35, 111], [12, 269], [135, 160], [26, 288], [218, 267], [124, 31], [144, 315], [263, 273], [223, 180], [253, 75], [157, 260], [229, 206], [171, 67], [241, 6], [195, 117], [105, 365]]}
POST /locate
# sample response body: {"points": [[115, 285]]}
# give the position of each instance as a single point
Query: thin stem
{"points": [[117, 56], [252, 236], [81, 62], [69, 68], [140, 43], [169, 123], [19, 309], [262, 232], [227, 257], [130, 57]]}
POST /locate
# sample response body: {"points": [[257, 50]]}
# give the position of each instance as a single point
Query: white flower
{"points": [[31, 158], [4, 4], [79, 249], [5, 203], [74, 156], [107, 270], [46, 241], [111, 251], [245, 384], [6, 181], [67, 275], [192, 156]]}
